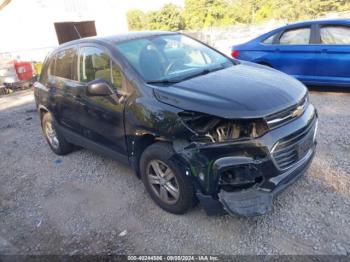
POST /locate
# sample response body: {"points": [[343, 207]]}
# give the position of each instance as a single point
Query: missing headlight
{"points": [[213, 129], [239, 177]]}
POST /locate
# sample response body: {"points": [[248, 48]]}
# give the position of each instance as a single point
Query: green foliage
{"points": [[168, 18], [136, 20], [195, 13], [199, 14]]}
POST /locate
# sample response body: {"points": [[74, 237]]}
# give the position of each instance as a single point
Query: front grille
{"points": [[284, 116], [289, 150]]}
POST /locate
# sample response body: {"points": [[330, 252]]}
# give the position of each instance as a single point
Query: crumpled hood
{"points": [[246, 90]]}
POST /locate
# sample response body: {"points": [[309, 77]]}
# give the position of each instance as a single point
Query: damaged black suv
{"points": [[193, 123]]}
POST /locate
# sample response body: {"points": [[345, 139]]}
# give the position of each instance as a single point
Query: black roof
{"points": [[134, 35], [118, 38]]}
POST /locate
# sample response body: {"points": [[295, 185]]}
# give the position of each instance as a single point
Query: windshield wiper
{"points": [[164, 81], [180, 79], [203, 72]]}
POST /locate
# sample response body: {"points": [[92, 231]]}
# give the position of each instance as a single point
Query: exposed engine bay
{"points": [[214, 129]]}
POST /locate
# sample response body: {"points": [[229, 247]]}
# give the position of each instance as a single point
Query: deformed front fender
{"points": [[207, 161]]}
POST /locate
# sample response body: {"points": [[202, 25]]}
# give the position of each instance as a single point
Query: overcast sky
{"points": [[29, 24]]}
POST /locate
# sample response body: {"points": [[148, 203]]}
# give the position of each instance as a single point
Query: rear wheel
{"points": [[56, 141], [164, 180]]}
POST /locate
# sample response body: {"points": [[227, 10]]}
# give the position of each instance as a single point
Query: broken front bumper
{"points": [[244, 177], [258, 200]]}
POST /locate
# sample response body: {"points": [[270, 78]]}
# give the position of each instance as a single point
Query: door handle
{"points": [[79, 99]]}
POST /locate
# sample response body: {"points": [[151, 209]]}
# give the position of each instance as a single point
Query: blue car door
{"points": [[295, 55], [334, 61]]}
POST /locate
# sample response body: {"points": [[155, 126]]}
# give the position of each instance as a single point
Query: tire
{"points": [[56, 141], [161, 153]]}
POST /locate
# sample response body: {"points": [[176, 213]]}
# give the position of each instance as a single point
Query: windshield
{"points": [[171, 58]]}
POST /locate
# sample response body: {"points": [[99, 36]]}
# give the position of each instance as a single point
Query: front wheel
{"points": [[166, 183]]}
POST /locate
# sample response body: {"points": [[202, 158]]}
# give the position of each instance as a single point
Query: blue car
{"points": [[315, 52]]}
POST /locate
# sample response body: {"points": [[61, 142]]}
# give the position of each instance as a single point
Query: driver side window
{"points": [[95, 63], [199, 58], [174, 50]]}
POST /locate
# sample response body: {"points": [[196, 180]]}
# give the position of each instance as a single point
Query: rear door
{"points": [[64, 88], [334, 61], [102, 117], [295, 53]]}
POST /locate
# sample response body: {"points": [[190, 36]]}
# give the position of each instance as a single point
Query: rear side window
{"points": [[65, 65], [269, 40], [52, 66], [46, 68], [95, 63], [335, 35], [299, 36]]}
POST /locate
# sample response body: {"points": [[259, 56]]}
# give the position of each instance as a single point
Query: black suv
{"points": [[193, 123]]}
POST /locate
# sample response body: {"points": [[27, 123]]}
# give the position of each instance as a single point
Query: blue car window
{"points": [[300, 36], [335, 35], [269, 40]]}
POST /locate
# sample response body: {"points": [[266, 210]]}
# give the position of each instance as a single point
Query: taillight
{"points": [[235, 53]]}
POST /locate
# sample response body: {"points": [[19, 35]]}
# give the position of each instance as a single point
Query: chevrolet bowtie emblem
{"points": [[297, 112]]}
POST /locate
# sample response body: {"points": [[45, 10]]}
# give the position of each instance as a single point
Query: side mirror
{"points": [[99, 87]]}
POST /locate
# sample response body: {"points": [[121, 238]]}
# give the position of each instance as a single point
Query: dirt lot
{"points": [[85, 203]]}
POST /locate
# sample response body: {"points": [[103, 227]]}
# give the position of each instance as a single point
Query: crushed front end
{"points": [[241, 169]]}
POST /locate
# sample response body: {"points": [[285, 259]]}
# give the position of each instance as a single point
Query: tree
{"points": [[168, 18], [207, 13], [199, 14], [216, 12], [239, 11], [195, 13], [137, 20]]}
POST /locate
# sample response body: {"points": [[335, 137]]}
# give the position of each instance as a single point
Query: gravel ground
{"points": [[85, 203]]}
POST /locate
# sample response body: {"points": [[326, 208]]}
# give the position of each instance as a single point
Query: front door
{"points": [[295, 54], [102, 117], [334, 47]]}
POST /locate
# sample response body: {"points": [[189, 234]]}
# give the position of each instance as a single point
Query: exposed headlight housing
{"points": [[207, 128]]}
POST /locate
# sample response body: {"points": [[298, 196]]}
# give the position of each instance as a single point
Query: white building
{"points": [[27, 26]]}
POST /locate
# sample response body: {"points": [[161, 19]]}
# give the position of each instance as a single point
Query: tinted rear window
{"points": [[65, 65]]}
